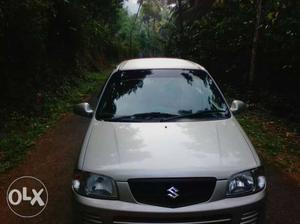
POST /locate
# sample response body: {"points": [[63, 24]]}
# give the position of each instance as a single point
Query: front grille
{"points": [[219, 219], [172, 192], [250, 218]]}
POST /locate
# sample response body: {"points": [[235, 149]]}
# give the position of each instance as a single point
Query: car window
{"points": [[172, 92]]}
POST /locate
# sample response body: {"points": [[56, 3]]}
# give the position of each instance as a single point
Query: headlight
{"points": [[246, 182], [94, 185]]}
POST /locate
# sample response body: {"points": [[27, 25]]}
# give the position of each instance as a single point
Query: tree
{"points": [[255, 42], [133, 25], [46, 43]]}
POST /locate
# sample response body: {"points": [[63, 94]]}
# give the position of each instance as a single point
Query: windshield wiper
{"points": [[196, 114], [143, 116]]}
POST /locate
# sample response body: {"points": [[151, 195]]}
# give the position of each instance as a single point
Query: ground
{"points": [[53, 158]]}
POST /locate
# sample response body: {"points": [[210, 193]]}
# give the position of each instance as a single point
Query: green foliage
{"points": [[221, 36], [46, 43], [271, 144], [142, 34], [45, 47], [22, 130], [282, 148], [151, 10]]}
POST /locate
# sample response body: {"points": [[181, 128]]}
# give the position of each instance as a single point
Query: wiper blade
{"points": [[196, 114], [146, 116]]}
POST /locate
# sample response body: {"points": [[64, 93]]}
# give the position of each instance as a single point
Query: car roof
{"points": [[158, 63]]}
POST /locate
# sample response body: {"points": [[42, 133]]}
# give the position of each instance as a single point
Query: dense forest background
{"points": [[46, 45], [222, 36]]}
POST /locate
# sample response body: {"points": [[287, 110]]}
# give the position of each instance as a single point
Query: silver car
{"points": [[164, 147]]}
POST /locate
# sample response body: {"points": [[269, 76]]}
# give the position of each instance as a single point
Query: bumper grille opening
{"points": [[218, 219], [88, 218], [172, 192], [250, 218]]}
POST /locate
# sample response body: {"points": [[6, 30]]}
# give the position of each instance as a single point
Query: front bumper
{"points": [[241, 210]]}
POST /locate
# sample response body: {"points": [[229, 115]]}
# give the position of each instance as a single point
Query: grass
{"points": [[276, 139], [273, 140], [21, 132]]}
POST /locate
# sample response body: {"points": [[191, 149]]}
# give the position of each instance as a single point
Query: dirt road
{"points": [[52, 160]]}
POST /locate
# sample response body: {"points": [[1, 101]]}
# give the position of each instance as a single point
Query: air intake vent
{"points": [[217, 219], [88, 218], [250, 218]]}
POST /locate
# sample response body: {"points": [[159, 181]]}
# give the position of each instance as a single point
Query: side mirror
{"points": [[237, 106], [83, 109]]}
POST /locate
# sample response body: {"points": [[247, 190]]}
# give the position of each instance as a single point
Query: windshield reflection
{"points": [[159, 93]]}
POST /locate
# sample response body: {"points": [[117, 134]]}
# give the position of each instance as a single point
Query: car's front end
{"points": [[160, 181], [163, 147], [205, 200]]}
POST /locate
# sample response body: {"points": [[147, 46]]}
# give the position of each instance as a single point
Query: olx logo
{"points": [[27, 196], [23, 196]]}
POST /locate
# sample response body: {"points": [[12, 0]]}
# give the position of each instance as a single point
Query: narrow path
{"points": [[53, 158]]}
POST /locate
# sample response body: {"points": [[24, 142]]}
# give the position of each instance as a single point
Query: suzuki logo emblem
{"points": [[172, 192]]}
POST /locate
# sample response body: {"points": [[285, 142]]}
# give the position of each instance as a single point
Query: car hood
{"points": [[172, 149]]}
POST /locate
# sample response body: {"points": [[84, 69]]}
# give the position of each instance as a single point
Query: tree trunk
{"points": [[132, 28], [180, 26], [254, 43], [153, 48]]}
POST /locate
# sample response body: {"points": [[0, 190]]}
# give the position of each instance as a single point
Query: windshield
{"points": [[155, 94]]}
